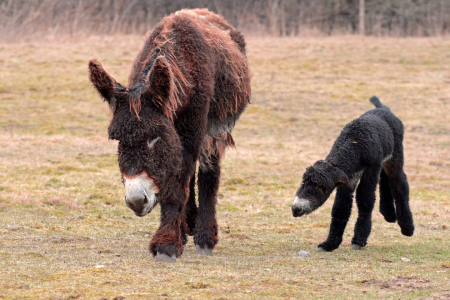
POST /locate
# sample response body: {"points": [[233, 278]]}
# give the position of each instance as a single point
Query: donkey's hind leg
{"points": [[387, 208], [206, 231]]}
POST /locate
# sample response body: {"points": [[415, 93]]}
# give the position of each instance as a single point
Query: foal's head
{"points": [[318, 183]]}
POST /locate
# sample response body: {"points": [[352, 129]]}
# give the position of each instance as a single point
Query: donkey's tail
{"points": [[375, 101]]}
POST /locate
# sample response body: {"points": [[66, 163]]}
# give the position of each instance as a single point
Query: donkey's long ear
{"points": [[160, 83], [103, 82]]}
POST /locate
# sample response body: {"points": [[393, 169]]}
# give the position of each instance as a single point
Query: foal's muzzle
{"points": [[300, 207]]}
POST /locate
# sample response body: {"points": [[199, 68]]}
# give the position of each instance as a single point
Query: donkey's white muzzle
{"points": [[140, 195]]}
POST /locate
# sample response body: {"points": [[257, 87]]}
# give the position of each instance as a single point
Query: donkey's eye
{"points": [[151, 143], [321, 188]]}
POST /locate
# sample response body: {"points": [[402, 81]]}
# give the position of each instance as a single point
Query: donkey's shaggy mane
{"points": [[164, 40]]}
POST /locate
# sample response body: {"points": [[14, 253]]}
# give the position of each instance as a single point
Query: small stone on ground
{"points": [[304, 254]]}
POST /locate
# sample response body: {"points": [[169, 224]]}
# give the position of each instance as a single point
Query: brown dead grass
{"points": [[65, 233]]}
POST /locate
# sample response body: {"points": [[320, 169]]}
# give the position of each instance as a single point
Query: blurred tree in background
{"points": [[257, 17]]}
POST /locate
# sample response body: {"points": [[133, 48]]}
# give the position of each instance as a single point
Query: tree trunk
{"points": [[362, 26]]}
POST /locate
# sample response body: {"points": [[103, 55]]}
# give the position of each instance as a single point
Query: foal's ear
{"points": [[341, 177], [160, 83], [104, 83]]}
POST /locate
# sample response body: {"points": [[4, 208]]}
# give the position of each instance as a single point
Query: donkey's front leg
{"points": [[167, 243], [206, 229]]}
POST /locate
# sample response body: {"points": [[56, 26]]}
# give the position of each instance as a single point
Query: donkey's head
{"points": [[149, 151], [318, 183]]}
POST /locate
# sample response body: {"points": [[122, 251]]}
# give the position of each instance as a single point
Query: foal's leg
{"points": [[365, 200], [400, 191], [340, 214], [205, 232], [387, 208], [191, 207], [399, 186]]}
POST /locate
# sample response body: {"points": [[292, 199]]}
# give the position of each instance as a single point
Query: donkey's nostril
{"points": [[128, 204], [137, 203]]}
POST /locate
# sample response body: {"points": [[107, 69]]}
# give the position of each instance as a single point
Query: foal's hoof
{"points": [[408, 230], [164, 258], [390, 218], [356, 247], [205, 251], [320, 249]]}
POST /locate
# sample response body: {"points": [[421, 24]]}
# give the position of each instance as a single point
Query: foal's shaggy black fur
{"points": [[369, 149]]}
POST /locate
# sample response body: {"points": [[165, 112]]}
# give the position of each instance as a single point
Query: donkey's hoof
{"points": [[321, 250], [205, 251], [164, 258], [356, 247]]}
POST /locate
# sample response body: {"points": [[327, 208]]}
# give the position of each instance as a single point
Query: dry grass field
{"points": [[65, 232]]}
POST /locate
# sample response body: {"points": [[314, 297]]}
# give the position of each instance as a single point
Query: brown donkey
{"points": [[188, 86]]}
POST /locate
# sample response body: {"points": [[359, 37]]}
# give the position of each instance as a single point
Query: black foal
{"points": [[368, 150]]}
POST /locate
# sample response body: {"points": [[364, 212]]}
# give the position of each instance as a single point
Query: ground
{"points": [[65, 232]]}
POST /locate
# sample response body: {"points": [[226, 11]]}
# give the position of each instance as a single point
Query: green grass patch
{"points": [[67, 234]]}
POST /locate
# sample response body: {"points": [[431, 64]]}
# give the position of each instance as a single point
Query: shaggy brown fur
{"points": [[216, 34], [188, 86]]}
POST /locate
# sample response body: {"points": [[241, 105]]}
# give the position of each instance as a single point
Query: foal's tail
{"points": [[375, 101]]}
